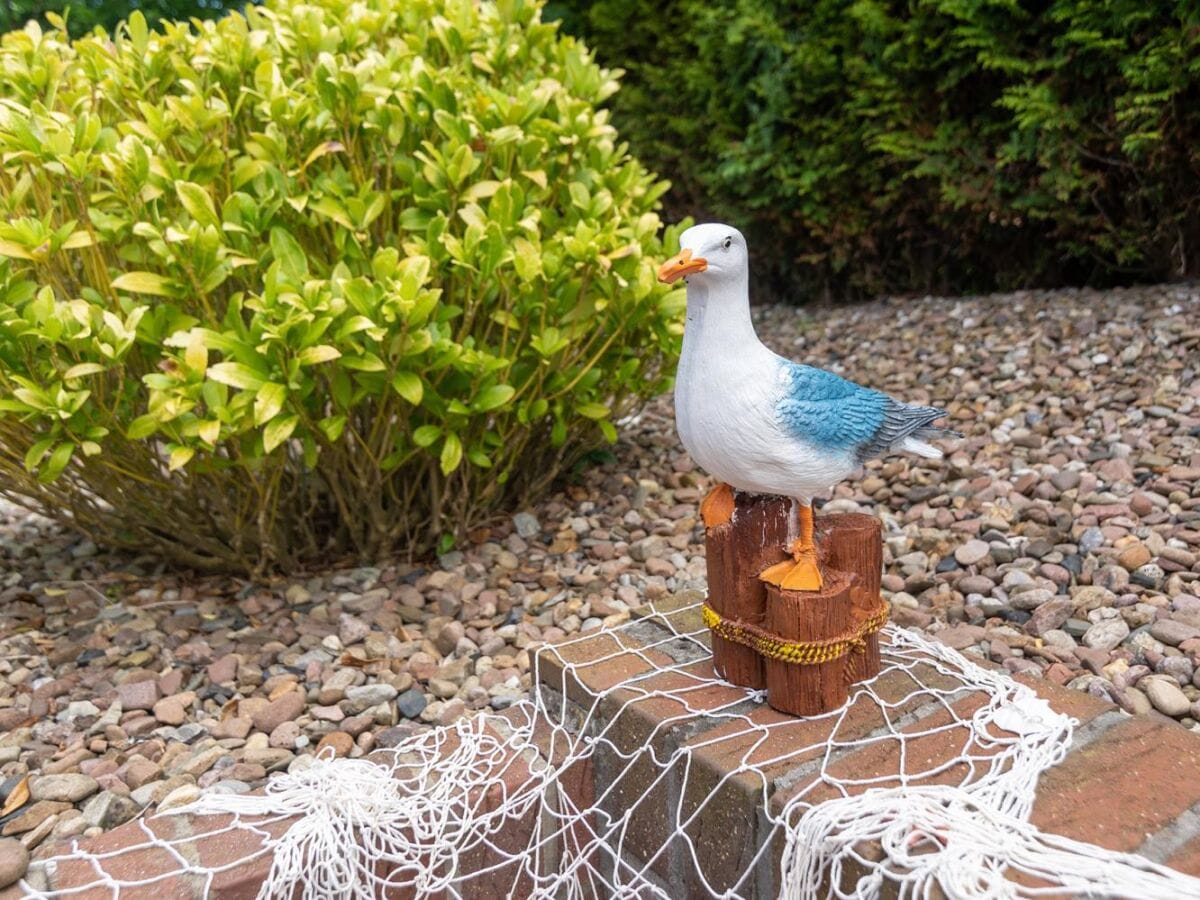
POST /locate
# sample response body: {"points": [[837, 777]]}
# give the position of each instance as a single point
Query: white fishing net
{"points": [[622, 777]]}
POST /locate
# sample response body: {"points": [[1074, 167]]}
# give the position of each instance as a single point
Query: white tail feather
{"points": [[920, 448]]}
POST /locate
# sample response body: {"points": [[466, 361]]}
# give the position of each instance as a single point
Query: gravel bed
{"points": [[1061, 537]]}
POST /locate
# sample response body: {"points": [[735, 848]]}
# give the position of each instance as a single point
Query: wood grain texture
{"points": [[809, 616], [756, 537], [850, 550], [853, 542]]}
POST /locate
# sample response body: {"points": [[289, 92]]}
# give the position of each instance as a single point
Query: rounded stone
{"points": [[1106, 634], [1165, 696], [972, 553], [14, 860], [67, 788], [337, 741], [1134, 556]]}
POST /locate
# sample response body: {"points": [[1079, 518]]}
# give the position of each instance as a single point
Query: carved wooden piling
{"points": [[805, 647], [735, 556]]}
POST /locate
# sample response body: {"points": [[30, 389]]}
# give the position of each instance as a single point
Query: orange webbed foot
{"points": [[800, 573], [717, 506]]}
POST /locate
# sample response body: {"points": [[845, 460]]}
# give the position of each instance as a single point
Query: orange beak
{"points": [[682, 264]]}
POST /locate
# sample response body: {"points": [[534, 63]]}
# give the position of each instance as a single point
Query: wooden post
{"points": [[853, 542], [756, 537], [757, 619], [808, 690]]}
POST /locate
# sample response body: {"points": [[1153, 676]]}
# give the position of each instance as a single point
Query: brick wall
{"points": [[1128, 783]]}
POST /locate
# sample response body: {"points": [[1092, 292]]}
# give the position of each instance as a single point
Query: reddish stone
{"points": [[170, 682], [224, 669], [283, 709], [138, 694], [338, 741]]}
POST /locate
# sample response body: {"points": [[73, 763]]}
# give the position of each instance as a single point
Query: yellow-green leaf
{"points": [[269, 402], [142, 426], [278, 431], [321, 353], [322, 149], [592, 410], [77, 240], [289, 254], [14, 250], [426, 435], [36, 452], [209, 431], [236, 375], [81, 369], [196, 355], [143, 283], [495, 396], [197, 201], [58, 461], [452, 451], [180, 457], [408, 386]]}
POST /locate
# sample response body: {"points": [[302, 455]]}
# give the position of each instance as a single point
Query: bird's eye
{"points": [[728, 242]]}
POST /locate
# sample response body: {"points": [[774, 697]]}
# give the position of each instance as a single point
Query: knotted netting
{"points": [[632, 771]]}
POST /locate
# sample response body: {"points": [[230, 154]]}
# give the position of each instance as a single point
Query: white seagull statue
{"points": [[763, 424]]}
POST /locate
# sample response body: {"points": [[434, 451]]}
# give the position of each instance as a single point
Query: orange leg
{"points": [[717, 506], [802, 573]]}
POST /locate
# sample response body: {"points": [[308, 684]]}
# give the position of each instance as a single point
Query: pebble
{"points": [[138, 695], [1165, 696], [411, 703], [180, 796], [170, 711], [338, 741], [69, 788], [1134, 557], [14, 860], [365, 696], [1106, 634], [526, 524], [1050, 616], [1173, 633], [108, 809], [972, 553], [278, 711]]}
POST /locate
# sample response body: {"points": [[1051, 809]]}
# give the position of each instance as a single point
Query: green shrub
{"points": [[84, 15], [882, 146], [333, 278]]}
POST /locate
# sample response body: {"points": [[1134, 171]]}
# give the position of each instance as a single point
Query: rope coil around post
{"points": [[801, 653]]}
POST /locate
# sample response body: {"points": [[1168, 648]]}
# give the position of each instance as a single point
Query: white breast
{"points": [[726, 391]]}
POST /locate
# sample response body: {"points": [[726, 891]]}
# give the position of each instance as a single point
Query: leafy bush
{"points": [[330, 278], [84, 15], [879, 145]]}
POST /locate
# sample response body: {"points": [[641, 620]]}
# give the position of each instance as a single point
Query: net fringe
{"points": [[439, 818]]}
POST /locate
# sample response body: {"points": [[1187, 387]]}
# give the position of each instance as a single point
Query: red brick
{"points": [[595, 665], [1126, 785], [1077, 704], [510, 778], [1187, 858], [216, 846]]}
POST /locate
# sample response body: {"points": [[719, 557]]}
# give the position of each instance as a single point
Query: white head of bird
{"points": [[708, 255]]}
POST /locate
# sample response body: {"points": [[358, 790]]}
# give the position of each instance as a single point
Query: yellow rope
{"points": [[801, 653]]}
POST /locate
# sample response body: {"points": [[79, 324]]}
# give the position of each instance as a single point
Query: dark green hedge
{"points": [[878, 146], [84, 15]]}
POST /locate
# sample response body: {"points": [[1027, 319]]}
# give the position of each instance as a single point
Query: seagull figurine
{"points": [[763, 424]]}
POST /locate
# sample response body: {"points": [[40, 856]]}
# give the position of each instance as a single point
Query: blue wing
{"points": [[827, 410]]}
